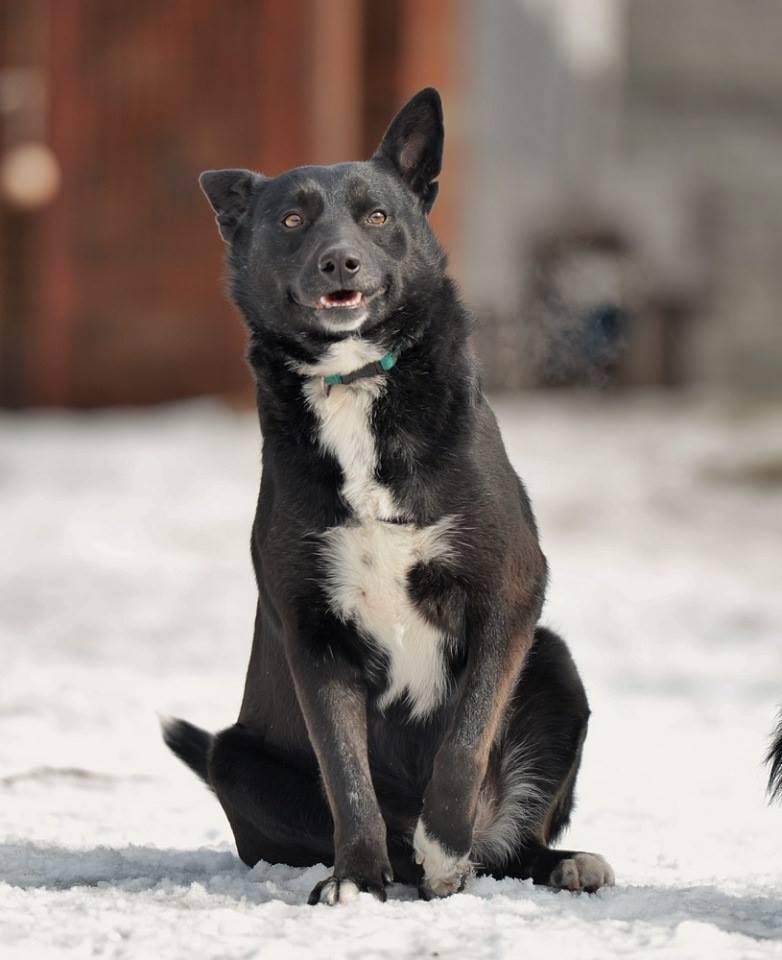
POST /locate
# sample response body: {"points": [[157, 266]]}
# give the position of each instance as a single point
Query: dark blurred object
{"points": [[611, 279], [109, 284], [608, 291]]}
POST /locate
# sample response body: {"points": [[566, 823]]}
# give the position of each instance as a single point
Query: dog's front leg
{"points": [[443, 835], [333, 699]]}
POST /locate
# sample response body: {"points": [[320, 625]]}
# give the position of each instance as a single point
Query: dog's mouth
{"points": [[345, 299], [345, 309]]}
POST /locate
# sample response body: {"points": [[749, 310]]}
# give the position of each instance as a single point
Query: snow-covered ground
{"points": [[126, 590]]}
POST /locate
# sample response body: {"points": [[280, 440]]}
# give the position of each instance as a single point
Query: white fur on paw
{"points": [[444, 873], [338, 891], [584, 871]]}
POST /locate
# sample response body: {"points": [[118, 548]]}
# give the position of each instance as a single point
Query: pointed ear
{"points": [[229, 192], [413, 143]]}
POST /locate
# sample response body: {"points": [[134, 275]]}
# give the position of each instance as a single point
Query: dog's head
{"points": [[319, 253]]}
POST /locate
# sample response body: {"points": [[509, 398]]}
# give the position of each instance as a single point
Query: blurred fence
{"points": [[109, 289]]}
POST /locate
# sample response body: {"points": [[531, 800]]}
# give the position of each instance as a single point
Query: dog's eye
{"points": [[377, 218], [292, 220]]}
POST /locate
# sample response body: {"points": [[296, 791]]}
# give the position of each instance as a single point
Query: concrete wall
{"points": [[538, 113], [703, 95], [670, 108]]}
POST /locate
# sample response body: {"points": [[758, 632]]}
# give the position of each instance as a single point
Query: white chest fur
{"points": [[367, 564], [368, 559]]}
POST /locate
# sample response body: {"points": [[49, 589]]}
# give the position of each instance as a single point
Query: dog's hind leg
{"points": [[528, 795], [292, 826], [276, 807], [278, 811]]}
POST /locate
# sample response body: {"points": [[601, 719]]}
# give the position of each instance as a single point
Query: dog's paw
{"points": [[586, 872], [335, 889], [444, 872]]}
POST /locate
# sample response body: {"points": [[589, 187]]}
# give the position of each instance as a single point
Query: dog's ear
{"points": [[413, 143], [229, 192]]}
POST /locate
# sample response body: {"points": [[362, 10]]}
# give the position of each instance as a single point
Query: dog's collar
{"points": [[383, 365]]}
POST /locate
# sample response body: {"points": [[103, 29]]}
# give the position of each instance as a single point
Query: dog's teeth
{"points": [[353, 301]]}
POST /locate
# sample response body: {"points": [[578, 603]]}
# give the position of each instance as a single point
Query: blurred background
{"points": [[611, 198]]}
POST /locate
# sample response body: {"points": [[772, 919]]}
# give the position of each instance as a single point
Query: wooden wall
{"points": [[114, 296]]}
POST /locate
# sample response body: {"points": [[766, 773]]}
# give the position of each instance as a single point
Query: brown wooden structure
{"points": [[109, 289]]}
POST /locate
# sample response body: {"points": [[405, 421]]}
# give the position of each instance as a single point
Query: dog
{"points": [[404, 716], [774, 760]]}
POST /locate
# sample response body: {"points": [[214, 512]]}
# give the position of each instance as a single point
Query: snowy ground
{"points": [[126, 590]]}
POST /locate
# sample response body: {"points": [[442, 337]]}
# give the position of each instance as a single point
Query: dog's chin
{"points": [[343, 321]]}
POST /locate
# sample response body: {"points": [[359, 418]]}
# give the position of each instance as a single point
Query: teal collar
{"points": [[383, 365]]}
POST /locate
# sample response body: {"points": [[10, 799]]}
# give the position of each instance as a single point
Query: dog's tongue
{"points": [[341, 298]]}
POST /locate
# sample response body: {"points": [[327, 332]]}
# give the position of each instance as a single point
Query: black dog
{"points": [[774, 759], [403, 716]]}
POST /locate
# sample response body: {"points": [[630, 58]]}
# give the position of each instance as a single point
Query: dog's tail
{"points": [[191, 744], [774, 758]]}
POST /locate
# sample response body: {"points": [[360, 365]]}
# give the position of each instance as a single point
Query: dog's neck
{"points": [[433, 365], [344, 359]]}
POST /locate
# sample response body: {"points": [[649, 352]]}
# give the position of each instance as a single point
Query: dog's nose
{"points": [[340, 263]]}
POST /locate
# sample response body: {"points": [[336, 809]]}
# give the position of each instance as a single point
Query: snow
{"points": [[126, 590]]}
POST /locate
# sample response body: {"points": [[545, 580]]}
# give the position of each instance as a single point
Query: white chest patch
{"points": [[367, 565], [368, 560]]}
